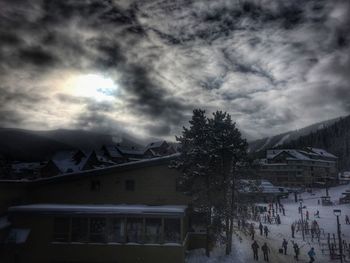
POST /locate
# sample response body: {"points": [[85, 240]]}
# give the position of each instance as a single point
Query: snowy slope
{"points": [[242, 250], [274, 141]]}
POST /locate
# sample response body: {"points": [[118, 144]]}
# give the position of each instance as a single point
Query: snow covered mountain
{"points": [[280, 139]]}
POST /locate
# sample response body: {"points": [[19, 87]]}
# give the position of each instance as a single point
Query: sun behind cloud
{"points": [[94, 86]]}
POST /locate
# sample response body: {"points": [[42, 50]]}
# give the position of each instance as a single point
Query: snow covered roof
{"points": [[66, 163], [258, 186], [300, 154], [155, 144], [121, 209], [130, 150], [21, 166], [322, 152], [113, 151]]}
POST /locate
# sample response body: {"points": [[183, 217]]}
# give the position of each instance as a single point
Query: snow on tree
{"points": [[212, 150]]}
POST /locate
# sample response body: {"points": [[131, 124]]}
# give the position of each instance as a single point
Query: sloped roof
{"points": [[258, 186], [155, 144], [66, 164], [322, 152], [131, 150], [113, 151]]}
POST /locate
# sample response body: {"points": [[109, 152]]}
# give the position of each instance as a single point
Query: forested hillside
{"points": [[335, 138]]}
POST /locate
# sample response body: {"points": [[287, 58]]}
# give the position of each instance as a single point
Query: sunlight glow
{"points": [[93, 86]]}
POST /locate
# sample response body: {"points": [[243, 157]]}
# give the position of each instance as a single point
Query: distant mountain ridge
{"points": [[29, 145], [283, 138], [332, 135]]}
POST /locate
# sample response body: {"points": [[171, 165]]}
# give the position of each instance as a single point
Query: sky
{"points": [[141, 66]]}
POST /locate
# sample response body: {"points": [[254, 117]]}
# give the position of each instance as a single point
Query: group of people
{"points": [[265, 249]]}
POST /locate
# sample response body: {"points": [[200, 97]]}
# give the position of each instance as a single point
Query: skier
{"points": [[255, 248], [293, 229], [347, 221], [311, 254], [266, 231], [284, 245], [266, 251], [296, 251], [261, 229]]}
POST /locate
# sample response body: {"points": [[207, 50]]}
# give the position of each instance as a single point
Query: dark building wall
{"points": [[153, 185], [11, 193]]}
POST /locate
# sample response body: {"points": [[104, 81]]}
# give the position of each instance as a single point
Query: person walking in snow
{"points": [[307, 215], [255, 248], [266, 251], [293, 229], [278, 220], [347, 221], [266, 231], [261, 229], [296, 251], [312, 255], [285, 245], [317, 214], [283, 211], [252, 231]]}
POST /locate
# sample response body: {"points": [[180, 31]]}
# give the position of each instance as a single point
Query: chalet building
{"points": [[159, 148], [71, 161], [299, 168], [130, 212], [111, 152]]}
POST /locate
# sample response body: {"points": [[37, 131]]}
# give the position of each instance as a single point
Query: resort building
{"points": [[299, 167]]}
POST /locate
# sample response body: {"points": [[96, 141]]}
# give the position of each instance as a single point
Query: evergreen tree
{"points": [[211, 152], [194, 164]]}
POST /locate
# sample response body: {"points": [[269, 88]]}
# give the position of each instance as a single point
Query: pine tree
{"points": [[194, 164], [211, 152]]}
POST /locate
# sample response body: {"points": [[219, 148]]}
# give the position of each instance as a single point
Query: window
{"points": [[130, 185], [79, 229], [172, 230], [153, 230], [61, 229], [134, 230], [95, 185], [98, 230], [116, 231]]}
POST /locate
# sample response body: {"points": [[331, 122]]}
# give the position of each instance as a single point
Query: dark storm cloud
{"points": [[36, 56], [263, 61]]}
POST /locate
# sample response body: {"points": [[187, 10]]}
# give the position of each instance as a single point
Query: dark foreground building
{"points": [[130, 212]]}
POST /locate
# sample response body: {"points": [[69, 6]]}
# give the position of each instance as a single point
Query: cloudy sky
{"points": [[142, 66]]}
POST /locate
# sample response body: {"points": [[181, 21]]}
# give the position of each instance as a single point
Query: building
{"points": [[299, 167], [251, 191], [159, 148], [130, 212]]}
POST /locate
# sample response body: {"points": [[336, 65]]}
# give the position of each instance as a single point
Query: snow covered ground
{"points": [[242, 249]]}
